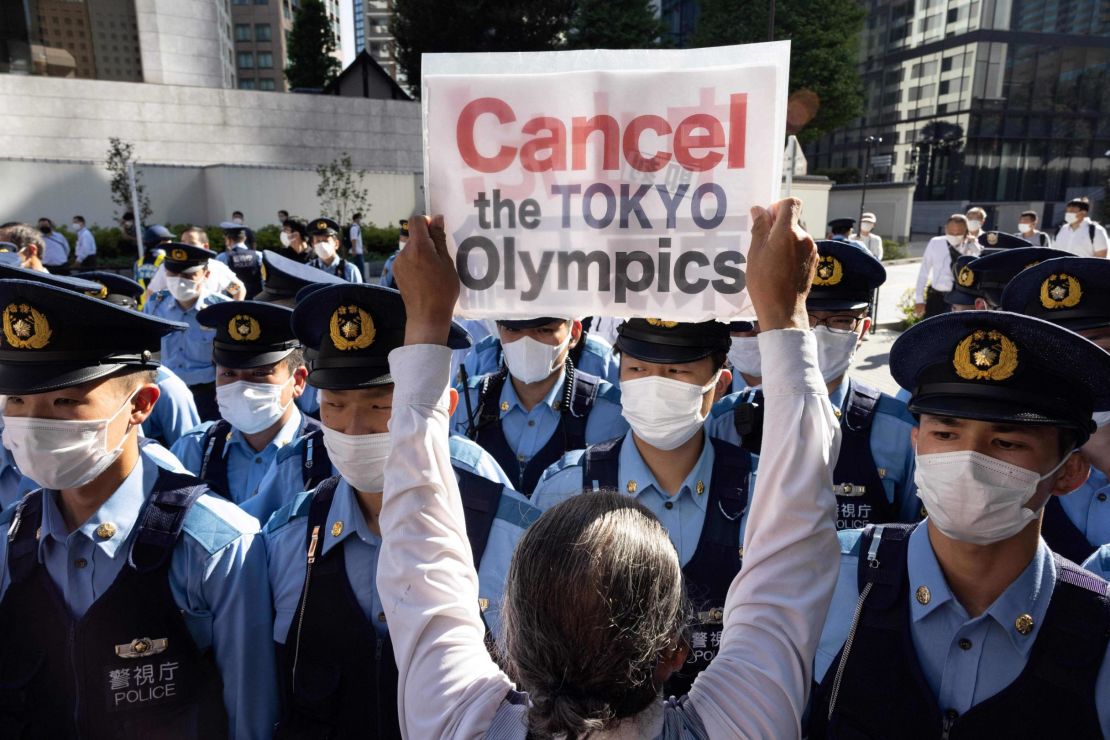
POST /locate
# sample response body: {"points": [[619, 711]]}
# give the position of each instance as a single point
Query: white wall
{"points": [[185, 42], [892, 205], [814, 194]]}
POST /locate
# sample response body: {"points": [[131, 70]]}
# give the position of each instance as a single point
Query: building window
{"points": [[262, 32], [242, 32], [265, 60], [245, 60], [266, 84], [261, 2], [246, 84], [240, 2]]}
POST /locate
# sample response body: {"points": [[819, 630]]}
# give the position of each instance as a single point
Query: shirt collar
{"points": [[637, 478], [110, 526], [1023, 600], [510, 400], [344, 518], [285, 435]]}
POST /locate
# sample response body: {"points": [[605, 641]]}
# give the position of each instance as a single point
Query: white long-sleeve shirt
{"points": [[1079, 242], [86, 245], [356, 239], [936, 266], [756, 686]]}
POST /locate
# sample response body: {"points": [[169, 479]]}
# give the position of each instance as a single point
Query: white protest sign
{"points": [[614, 183]]}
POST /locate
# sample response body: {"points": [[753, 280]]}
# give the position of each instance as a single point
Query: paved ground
{"points": [[870, 364]]}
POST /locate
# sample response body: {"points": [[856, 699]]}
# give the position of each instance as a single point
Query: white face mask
{"points": [[251, 407], [183, 289], [530, 360], [662, 411], [834, 351], [974, 224], [954, 241], [237, 220], [286, 240], [865, 227], [744, 356], [1025, 228], [59, 454], [78, 226], [975, 498], [1071, 218], [1102, 418], [324, 250], [359, 458]]}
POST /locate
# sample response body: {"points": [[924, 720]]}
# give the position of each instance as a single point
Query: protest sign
{"points": [[612, 183]]}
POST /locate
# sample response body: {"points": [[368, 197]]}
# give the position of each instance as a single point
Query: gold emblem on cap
{"points": [[321, 224], [244, 328], [25, 327], [1024, 624], [662, 324], [351, 328], [102, 293], [337, 529], [985, 355], [106, 531], [992, 238], [829, 271], [923, 596], [263, 271], [179, 255], [966, 278], [1060, 291]]}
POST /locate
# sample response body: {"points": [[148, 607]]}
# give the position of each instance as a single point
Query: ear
{"points": [[724, 384], [1072, 475], [300, 380], [142, 403], [914, 431], [452, 401], [575, 333], [981, 305]]}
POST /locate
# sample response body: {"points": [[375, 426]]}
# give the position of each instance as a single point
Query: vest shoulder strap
{"points": [[315, 463], [213, 467], [583, 393], [882, 562], [489, 394], [162, 518], [747, 419], [318, 510], [601, 465], [23, 536], [480, 499], [860, 406], [731, 467]]}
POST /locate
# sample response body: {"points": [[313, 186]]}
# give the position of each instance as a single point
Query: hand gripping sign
{"points": [[611, 183]]}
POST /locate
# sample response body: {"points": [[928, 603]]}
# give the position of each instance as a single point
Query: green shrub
{"points": [[905, 307], [895, 250]]}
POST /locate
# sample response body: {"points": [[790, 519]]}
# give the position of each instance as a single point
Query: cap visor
{"points": [[981, 409], [347, 378], [663, 354], [836, 304], [246, 360]]}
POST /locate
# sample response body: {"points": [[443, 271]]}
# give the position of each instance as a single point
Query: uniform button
{"points": [[952, 715], [669, 505], [381, 617], [520, 458], [1101, 497], [80, 563], [531, 422], [258, 459], [965, 644]]}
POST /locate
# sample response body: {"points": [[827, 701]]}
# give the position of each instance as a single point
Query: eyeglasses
{"points": [[841, 323]]}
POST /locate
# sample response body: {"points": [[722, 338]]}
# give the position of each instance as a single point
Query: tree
{"points": [[422, 26], [119, 156], [312, 62], [341, 190], [824, 59], [614, 24]]}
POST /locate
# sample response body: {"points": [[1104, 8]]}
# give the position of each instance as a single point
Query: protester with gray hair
{"points": [[595, 611]]}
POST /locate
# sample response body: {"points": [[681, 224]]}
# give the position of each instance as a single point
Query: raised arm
{"points": [[758, 683], [448, 687]]}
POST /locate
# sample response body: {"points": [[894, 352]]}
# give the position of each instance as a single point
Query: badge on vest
{"points": [[142, 647]]}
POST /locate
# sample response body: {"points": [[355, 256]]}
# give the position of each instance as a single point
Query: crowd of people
{"points": [[247, 493]]}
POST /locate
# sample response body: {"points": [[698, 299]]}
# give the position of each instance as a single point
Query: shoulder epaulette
{"points": [[891, 406], [295, 509]]}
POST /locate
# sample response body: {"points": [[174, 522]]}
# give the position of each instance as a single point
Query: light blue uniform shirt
{"points": [[528, 431], [349, 272], [958, 678], [597, 358], [175, 412], [13, 484], [386, 278], [1099, 562], [217, 578], [891, 446], [187, 353], [285, 478], [245, 467], [285, 536], [683, 519], [1088, 507]]}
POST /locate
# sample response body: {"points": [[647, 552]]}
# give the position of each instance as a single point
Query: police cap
{"points": [[846, 277], [182, 257], [1073, 292], [671, 342], [283, 277], [249, 333], [990, 274]]}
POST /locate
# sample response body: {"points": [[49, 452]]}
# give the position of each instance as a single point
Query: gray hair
{"points": [[22, 236], [594, 599]]}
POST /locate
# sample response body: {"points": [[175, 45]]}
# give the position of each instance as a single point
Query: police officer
{"points": [[189, 353], [988, 275], [243, 260], [146, 266], [873, 478], [743, 355], [962, 297], [386, 278], [589, 353], [130, 595], [336, 662], [538, 405], [324, 233], [294, 240], [176, 411], [840, 229], [697, 486], [1073, 292], [260, 371], [968, 625], [283, 278]]}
